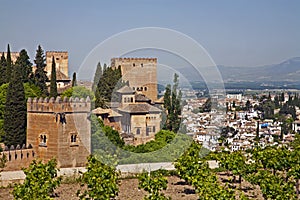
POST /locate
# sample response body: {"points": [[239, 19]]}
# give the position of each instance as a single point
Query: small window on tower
{"points": [[74, 139], [138, 131], [133, 64], [142, 65], [57, 58], [43, 140]]}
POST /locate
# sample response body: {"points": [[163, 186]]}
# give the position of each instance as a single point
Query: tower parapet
{"points": [[66, 104], [60, 128]]}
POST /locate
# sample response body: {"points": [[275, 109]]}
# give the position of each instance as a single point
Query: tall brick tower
{"points": [[141, 74], [61, 62], [60, 128]]}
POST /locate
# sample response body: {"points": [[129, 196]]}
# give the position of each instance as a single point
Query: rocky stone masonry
{"points": [[18, 157], [58, 128], [61, 61], [58, 105], [13, 55], [141, 74]]}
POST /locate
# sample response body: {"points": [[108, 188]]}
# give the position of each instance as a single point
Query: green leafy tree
{"points": [[40, 182], [273, 186], [25, 66], [9, 65], [109, 82], [53, 86], [196, 172], [15, 108], [74, 81], [172, 104], [101, 181], [294, 171], [153, 183], [78, 91], [40, 75], [2, 69], [234, 162], [30, 91]]}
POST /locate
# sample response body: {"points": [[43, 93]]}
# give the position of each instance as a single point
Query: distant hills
{"points": [[287, 71]]}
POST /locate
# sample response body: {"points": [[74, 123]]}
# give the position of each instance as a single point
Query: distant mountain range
{"points": [[288, 71]]}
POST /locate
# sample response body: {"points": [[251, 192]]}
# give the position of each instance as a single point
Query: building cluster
{"points": [[237, 129], [135, 112], [61, 58]]}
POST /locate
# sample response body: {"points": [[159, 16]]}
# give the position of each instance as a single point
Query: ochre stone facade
{"points": [[13, 55], [56, 128], [61, 129], [61, 62], [141, 74], [18, 158]]}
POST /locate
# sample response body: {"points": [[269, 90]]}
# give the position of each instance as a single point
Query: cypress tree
{"points": [[2, 69], [108, 83], [40, 75], [25, 66], [167, 106], [97, 76], [53, 86], [172, 103], [8, 65], [15, 111], [74, 81]]}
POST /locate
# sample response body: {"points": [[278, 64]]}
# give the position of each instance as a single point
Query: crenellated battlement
{"points": [[56, 52], [52, 105], [18, 157], [134, 59]]}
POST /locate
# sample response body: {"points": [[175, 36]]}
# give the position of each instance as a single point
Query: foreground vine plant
{"points": [[153, 183], [101, 181], [40, 182]]}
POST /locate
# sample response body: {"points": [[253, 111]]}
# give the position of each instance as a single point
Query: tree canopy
{"points": [[15, 108], [40, 75]]}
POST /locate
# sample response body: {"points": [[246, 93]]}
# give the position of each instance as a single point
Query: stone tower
{"points": [[61, 61], [60, 128], [141, 74]]}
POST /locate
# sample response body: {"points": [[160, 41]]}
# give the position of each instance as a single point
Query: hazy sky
{"points": [[237, 33]]}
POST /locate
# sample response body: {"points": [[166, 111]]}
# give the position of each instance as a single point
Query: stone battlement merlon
{"points": [[58, 105], [135, 59], [56, 51]]}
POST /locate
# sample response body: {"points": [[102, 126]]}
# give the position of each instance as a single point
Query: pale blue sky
{"points": [[234, 32]]}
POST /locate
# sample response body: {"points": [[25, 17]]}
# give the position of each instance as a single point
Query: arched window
{"points": [[145, 88], [43, 140], [131, 99], [73, 138], [138, 131]]}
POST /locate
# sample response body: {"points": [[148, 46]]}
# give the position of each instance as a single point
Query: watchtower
{"points": [[140, 73], [60, 128], [61, 63]]}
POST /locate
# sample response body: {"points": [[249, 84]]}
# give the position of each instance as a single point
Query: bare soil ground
{"points": [[177, 190]]}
